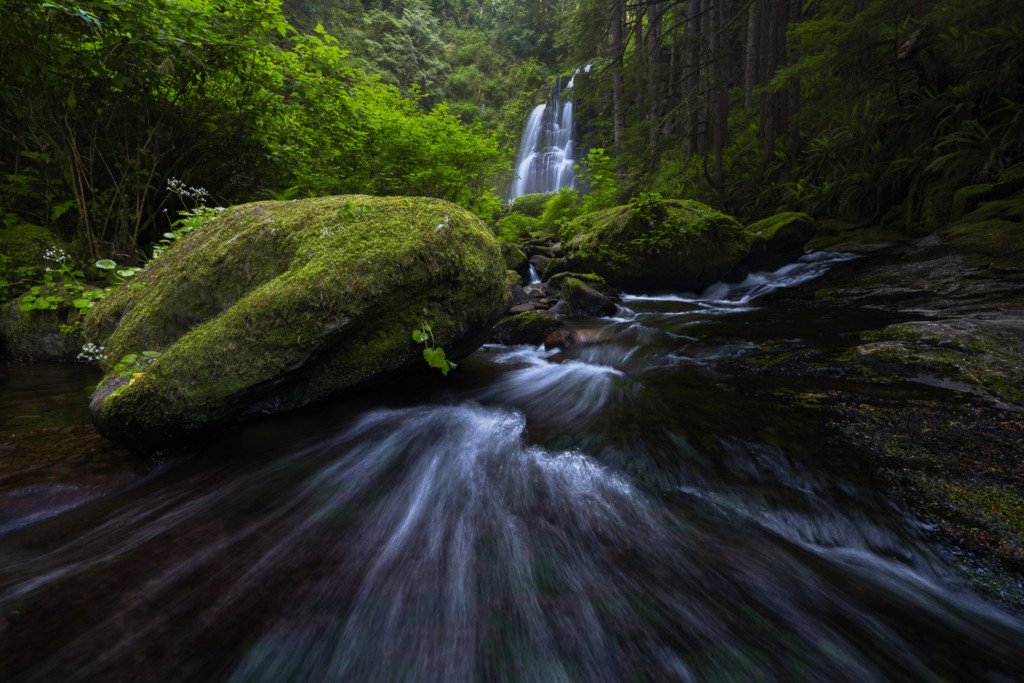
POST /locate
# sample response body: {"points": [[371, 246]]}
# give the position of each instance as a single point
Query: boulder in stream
{"points": [[779, 240], [664, 244], [273, 305], [579, 300]]}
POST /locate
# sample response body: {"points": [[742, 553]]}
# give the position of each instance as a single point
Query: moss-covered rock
{"points": [[675, 244], [531, 327], [40, 335], [778, 240], [578, 300], [531, 205], [273, 305], [515, 258], [978, 351]]}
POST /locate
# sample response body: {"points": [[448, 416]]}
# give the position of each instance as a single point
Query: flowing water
{"points": [[547, 148], [621, 510]]}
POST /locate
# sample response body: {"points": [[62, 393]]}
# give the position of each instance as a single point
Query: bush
{"points": [[560, 208], [531, 204], [515, 227]]}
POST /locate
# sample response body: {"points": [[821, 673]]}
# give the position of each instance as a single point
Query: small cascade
{"points": [[547, 150]]}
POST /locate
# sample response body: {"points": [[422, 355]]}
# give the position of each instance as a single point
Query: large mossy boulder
{"points": [[273, 305], [672, 244]]}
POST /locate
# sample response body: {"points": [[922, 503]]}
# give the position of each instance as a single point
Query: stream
{"points": [[619, 510]]}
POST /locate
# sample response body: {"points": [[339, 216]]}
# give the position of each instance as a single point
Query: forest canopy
{"points": [[105, 101], [860, 109]]}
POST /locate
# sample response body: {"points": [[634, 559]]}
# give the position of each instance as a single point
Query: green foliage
{"points": [[132, 364], [434, 355], [561, 208], [516, 227], [105, 100], [599, 173], [530, 204]]}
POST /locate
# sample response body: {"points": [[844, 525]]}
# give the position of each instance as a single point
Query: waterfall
{"points": [[547, 150]]}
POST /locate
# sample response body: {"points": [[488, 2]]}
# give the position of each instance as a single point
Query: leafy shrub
{"points": [[561, 208], [515, 227], [530, 204]]}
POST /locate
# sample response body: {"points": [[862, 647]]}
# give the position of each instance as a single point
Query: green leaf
{"points": [[434, 356], [81, 303], [418, 336], [106, 264], [151, 354]]}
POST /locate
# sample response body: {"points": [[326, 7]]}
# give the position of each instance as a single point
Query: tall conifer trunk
{"points": [[618, 117]]}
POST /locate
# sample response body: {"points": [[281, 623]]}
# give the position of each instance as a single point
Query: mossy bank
{"points": [[273, 305]]}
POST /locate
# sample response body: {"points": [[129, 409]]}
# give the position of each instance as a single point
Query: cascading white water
{"points": [[547, 150]]}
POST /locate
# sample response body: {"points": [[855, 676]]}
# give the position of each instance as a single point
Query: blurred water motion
{"points": [[602, 512]]}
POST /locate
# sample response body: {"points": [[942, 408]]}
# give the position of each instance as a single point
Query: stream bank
{"points": [[955, 460]]}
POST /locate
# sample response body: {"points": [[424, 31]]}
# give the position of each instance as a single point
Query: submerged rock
{"points": [[662, 244], [274, 305]]}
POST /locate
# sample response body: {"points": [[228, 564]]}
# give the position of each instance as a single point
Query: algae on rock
{"points": [[273, 305]]}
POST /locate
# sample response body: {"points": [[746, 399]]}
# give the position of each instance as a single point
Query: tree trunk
{"points": [[750, 74], [795, 143], [653, 82], [718, 114], [691, 80], [618, 117]]}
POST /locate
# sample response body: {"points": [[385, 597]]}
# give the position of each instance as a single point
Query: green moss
{"points": [[304, 298], [767, 228], [980, 506], [683, 243], [981, 353], [531, 205], [531, 327], [591, 279], [779, 239], [998, 241], [514, 257], [835, 234]]}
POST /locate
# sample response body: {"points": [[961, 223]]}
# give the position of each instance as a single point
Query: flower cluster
{"points": [[182, 190], [56, 255], [92, 352]]}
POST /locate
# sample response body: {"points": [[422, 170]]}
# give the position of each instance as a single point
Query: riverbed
{"points": [[635, 506]]}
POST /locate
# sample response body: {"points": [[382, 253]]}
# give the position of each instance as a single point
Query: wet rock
{"points": [[578, 300], [564, 338], [528, 327], [515, 259], [539, 262], [554, 267], [539, 250], [779, 240], [42, 334]]}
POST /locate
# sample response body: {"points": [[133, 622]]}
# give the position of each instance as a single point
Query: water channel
{"points": [[620, 510]]}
